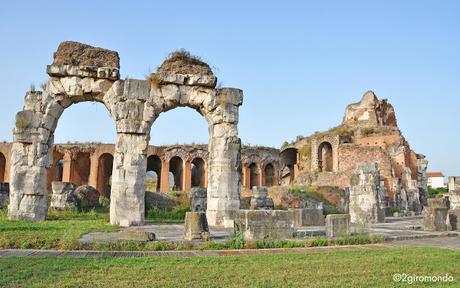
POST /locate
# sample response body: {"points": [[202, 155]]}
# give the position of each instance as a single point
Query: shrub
{"points": [[368, 131], [22, 123], [436, 192]]}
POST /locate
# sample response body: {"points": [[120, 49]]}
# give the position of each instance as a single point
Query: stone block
{"points": [[199, 199], [308, 217], [265, 224], [337, 225], [453, 218], [435, 218], [196, 226], [260, 199], [63, 196], [79, 54]]}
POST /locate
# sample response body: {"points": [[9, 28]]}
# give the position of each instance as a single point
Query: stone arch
{"points": [[176, 167], [104, 174], [289, 162], [134, 105], [2, 167], [325, 157], [269, 175], [154, 165], [254, 175], [198, 173]]}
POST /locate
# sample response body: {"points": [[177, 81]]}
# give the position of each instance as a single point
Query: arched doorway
{"points": [[254, 177], [176, 167], [289, 160], [2, 167], [269, 173], [325, 157], [80, 168], [104, 174], [198, 173], [153, 180]]}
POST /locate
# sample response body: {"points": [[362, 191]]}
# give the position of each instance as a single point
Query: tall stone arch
{"points": [[93, 75]]}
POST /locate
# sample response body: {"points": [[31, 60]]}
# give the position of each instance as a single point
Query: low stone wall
{"points": [[308, 217], [265, 224]]}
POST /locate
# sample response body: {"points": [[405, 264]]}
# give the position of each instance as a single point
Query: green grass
{"points": [[360, 268], [60, 231]]}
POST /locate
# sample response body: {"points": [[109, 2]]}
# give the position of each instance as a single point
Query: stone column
{"points": [[187, 175], [67, 167], [127, 204], [246, 173], [224, 172], [261, 175], [93, 172], [164, 178]]}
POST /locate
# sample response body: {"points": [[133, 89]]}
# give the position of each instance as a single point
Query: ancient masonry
{"points": [[366, 157], [84, 73]]}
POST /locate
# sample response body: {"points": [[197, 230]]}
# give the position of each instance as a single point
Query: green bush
{"points": [[435, 192]]}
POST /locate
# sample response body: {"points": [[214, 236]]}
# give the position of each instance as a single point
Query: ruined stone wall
{"points": [[84, 73]]}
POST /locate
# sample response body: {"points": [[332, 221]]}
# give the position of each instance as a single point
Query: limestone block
{"points": [[308, 217], [231, 96], [435, 218], [365, 198], [32, 207], [265, 224], [453, 218], [196, 226], [186, 79], [260, 199], [63, 196], [199, 199], [72, 86], [337, 225], [454, 198], [136, 89]]}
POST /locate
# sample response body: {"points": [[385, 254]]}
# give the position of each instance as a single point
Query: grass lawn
{"points": [[61, 230], [359, 268]]}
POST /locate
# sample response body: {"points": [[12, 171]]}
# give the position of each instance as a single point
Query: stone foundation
{"points": [[308, 217], [196, 226], [265, 224], [337, 225]]}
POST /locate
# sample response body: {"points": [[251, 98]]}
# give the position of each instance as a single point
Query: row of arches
{"points": [[254, 175], [176, 174]]}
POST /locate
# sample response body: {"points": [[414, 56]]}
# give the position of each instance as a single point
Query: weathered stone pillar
{"points": [[67, 167], [246, 173], [127, 203], [224, 175], [164, 178], [187, 175], [93, 173]]}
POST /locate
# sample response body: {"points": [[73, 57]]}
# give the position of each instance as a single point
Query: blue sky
{"points": [[299, 63]]}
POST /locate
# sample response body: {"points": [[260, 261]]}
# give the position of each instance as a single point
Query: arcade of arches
{"points": [[176, 167]]}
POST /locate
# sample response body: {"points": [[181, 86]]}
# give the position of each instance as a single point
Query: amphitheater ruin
{"points": [[365, 161]]}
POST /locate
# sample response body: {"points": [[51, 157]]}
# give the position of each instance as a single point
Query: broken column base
{"points": [[453, 218], [337, 225], [31, 208], [435, 219], [265, 224], [196, 226]]}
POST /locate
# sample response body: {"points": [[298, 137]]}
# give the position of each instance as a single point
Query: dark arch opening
{"points": [[2, 167], [176, 168], [254, 179], [289, 160], [153, 173], [269, 172], [80, 168], [198, 173], [325, 157], [104, 174]]}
